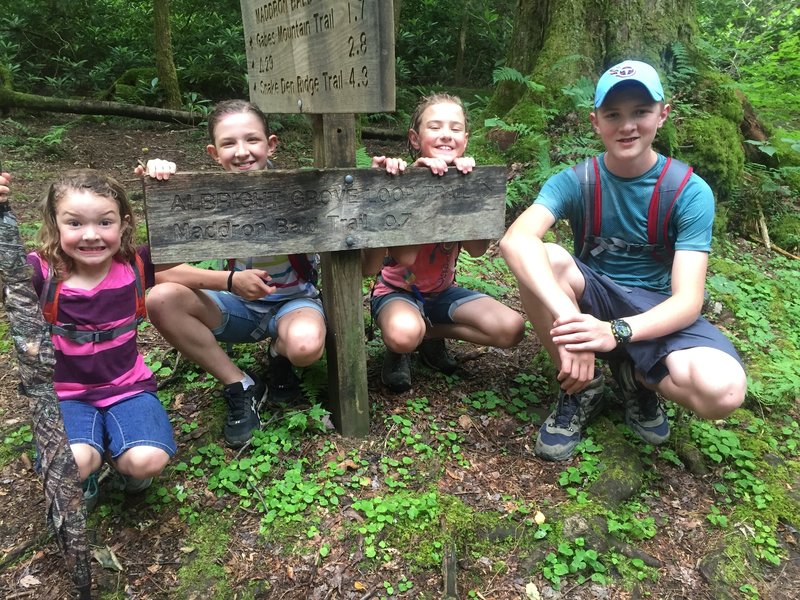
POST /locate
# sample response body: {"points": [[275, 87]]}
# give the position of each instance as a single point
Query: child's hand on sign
{"points": [[156, 168], [393, 166], [438, 166]]}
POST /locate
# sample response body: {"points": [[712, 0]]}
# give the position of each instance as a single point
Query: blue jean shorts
{"points": [[136, 421], [436, 308], [607, 300], [246, 321]]}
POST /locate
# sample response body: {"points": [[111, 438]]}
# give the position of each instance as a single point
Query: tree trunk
{"points": [[556, 41], [165, 61], [462, 48]]}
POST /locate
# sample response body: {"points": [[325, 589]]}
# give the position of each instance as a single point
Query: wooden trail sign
{"points": [[199, 216], [320, 56]]}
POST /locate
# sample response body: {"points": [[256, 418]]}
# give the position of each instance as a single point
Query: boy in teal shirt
{"points": [[623, 302]]}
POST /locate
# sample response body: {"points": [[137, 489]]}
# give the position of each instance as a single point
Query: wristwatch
{"points": [[621, 331]]}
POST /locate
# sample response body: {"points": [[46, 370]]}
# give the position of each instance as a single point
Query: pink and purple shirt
{"points": [[100, 373]]}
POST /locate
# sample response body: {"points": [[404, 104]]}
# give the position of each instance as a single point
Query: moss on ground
{"points": [[203, 575]]}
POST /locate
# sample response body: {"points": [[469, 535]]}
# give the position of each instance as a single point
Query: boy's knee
{"points": [[720, 399], [560, 259]]}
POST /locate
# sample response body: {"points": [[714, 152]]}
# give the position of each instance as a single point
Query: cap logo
{"points": [[623, 71]]}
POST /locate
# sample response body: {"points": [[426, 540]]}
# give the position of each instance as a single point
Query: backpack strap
{"points": [[589, 177], [49, 304], [48, 299], [139, 281], [669, 185], [304, 268]]}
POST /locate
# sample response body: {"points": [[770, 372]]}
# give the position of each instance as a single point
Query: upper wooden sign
{"points": [[320, 56], [199, 216]]}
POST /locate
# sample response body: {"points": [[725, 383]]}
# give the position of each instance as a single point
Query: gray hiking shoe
{"points": [[433, 353], [90, 492], [243, 407], [562, 430], [644, 413], [130, 485], [396, 371]]}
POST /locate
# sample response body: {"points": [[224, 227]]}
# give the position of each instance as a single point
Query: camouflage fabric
{"points": [[66, 513]]}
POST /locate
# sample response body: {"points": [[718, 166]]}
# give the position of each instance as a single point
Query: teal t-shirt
{"points": [[625, 204]]}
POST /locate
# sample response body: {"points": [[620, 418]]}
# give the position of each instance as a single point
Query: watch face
{"points": [[621, 330]]}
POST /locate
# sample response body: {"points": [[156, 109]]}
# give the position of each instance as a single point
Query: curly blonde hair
{"points": [[424, 104], [83, 180]]}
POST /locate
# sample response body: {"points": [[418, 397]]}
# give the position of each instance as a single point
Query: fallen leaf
{"points": [[154, 568], [29, 581], [539, 517], [465, 422], [358, 586], [187, 549], [107, 559], [348, 464], [532, 592], [693, 524], [458, 475], [290, 572]]}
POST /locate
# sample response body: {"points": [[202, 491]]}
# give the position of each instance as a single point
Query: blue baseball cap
{"points": [[629, 70]]}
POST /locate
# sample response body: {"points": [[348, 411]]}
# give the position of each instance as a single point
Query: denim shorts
{"points": [[607, 300], [437, 308], [246, 321], [136, 421]]}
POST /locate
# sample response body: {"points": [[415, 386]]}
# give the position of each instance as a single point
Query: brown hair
{"points": [[88, 180], [232, 107], [424, 104]]}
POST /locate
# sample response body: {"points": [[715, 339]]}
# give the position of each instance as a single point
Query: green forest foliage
{"points": [[758, 44]]}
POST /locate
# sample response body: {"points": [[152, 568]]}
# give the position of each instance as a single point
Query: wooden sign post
{"points": [[329, 59]]}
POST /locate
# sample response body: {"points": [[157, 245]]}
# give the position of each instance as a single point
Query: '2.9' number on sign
{"points": [[360, 48], [357, 82]]}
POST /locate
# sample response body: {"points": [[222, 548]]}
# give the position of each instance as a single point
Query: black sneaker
{"points": [[644, 413], [243, 406], [563, 429], [433, 353], [396, 372], [284, 386]]}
